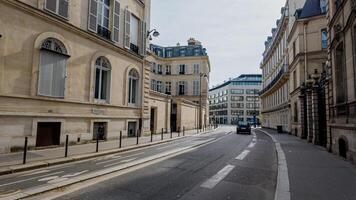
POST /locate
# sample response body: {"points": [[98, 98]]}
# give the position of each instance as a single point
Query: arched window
{"points": [[52, 69], [102, 79], [133, 86]]}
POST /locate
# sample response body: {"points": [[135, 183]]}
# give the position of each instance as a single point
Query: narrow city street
{"points": [[233, 167]]}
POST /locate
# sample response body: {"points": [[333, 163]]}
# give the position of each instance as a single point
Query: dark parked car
{"points": [[243, 127]]}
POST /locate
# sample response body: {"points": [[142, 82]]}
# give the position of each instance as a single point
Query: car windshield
{"points": [[243, 124]]}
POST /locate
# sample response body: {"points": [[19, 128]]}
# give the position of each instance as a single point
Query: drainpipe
{"points": [[305, 52]]}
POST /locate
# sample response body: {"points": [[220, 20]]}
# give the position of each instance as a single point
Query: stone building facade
{"points": [[179, 75], [236, 100], [342, 71], [307, 49], [275, 84], [71, 68]]}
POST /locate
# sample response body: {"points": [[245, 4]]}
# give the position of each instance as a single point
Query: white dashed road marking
{"points": [[123, 161], [242, 155], [213, 181], [24, 180]]}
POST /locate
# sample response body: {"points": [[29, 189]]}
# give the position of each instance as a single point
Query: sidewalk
{"points": [[36, 156], [315, 173]]}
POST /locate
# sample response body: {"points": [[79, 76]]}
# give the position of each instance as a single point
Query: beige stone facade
{"points": [[274, 96], [307, 44], [51, 65], [342, 93], [182, 80]]}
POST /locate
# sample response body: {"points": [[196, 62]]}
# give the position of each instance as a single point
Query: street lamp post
{"points": [[254, 108], [201, 99]]}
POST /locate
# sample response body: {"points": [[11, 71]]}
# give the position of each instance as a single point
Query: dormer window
{"points": [[58, 7]]}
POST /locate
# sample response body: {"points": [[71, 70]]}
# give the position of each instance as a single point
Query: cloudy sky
{"points": [[233, 31]]}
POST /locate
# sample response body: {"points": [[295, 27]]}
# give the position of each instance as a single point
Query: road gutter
{"points": [[282, 189], [32, 192]]}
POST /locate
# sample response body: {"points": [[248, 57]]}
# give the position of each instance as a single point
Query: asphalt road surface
{"points": [[231, 166]]}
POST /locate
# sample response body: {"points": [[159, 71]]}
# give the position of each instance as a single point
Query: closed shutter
{"points": [[45, 73], [63, 8], [51, 5], [59, 75], [186, 88], [142, 36], [52, 74], [178, 71], [93, 12], [127, 28], [177, 88], [163, 89], [116, 22]]}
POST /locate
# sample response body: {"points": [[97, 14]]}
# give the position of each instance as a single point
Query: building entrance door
{"points": [[100, 130], [152, 120], [131, 130], [48, 134]]}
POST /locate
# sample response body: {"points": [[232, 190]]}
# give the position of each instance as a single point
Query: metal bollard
{"points": [[171, 134], [151, 136], [25, 151], [66, 148], [97, 143], [178, 131], [162, 134], [183, 131], [137, 136], [120, 139]]}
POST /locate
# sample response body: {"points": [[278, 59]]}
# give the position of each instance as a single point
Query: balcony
{"points": [[280, 74], [104, 32], [134, 48]]}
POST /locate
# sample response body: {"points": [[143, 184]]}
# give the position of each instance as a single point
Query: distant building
{"points": [[236, 100], [179, 82]]}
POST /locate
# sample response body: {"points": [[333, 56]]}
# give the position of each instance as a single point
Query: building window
{"points": [[169, 88], [323, 4], [196, 68], [52, 68], [237, 91], [249, 98], [182, 88], [103, 16], [102, 79], [153, 85], [153, 67], [295, 112], [181, 69], [58, 7], [168, 70], [340, 71], [133, 86], [251, 91], [237, 98], [159, 69], [159, 86], [196, 88], [169, 54], [324, 39], [134, 33], [295, 79], [294, 50]]}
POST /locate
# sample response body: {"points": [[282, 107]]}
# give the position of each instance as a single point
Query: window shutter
{"points": [[163, 87], [45, 73], [142, 37], [186, 88], [51, 5], [177, 88], [93, 12], [116, 22], [127, 28], [178, 67], [63, 8], [59, 75]]}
